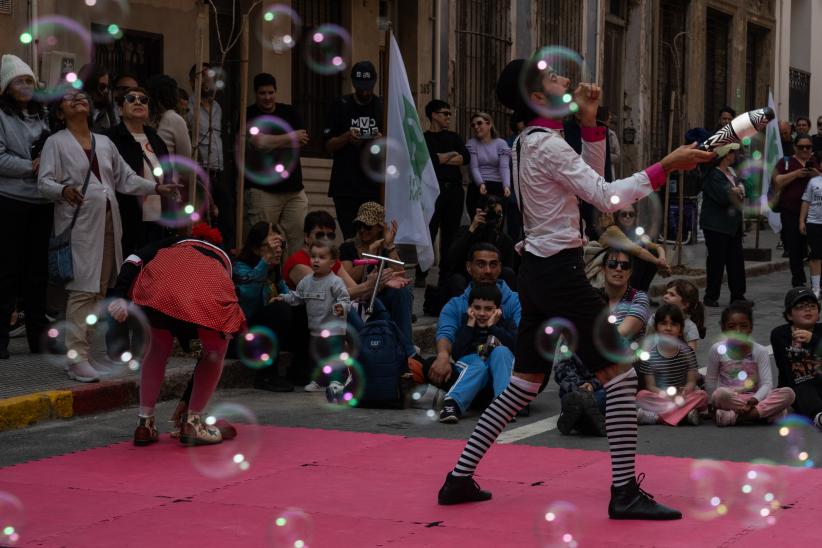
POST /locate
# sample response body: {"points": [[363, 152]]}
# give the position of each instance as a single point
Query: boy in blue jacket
{"points": [[481, 327]]}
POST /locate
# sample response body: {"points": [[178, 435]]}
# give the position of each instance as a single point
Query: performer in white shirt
{"points": [[550, 178]]}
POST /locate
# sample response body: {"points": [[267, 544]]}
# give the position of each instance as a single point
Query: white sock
{"points": [[815, 282]]}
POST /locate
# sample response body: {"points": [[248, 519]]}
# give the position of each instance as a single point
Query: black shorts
{"points": [[556, 287], [814, 241]]}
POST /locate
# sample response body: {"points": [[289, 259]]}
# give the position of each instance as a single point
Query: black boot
{"points": [[631, 502], [571, 411], [459, 489]]}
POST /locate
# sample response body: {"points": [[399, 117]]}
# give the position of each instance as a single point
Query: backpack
{"points": [[383, 361]]}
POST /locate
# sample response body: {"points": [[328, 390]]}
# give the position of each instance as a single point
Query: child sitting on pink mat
{"points": [[739, 376], [670, 373]]}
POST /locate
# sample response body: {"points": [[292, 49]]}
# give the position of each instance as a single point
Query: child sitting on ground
{"points": [[670, 372], [582, 398], [795, 349], [685, 295], [482, 351], [739, 379], [326, 303]]}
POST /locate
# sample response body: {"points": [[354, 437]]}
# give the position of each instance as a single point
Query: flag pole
{"points": [[384, 91]]}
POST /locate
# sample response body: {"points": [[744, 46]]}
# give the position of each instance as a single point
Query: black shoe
{"points": [[571, 412], [273, 384], [631, 502], [4, 354], [459, 489], [592, 422], [450, 412], [710, 302]]}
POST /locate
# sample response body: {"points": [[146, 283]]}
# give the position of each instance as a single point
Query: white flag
{"points": [[773, 153], [411, 187]]}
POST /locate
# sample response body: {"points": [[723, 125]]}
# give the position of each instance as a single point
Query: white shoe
{"points": [[314, 386], [83, 372], [646, 417]]}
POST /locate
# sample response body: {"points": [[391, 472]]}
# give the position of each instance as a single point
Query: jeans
{"points": [[475, 373]]}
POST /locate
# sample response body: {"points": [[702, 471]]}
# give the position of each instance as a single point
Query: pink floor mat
{"points": [[355, 489]]}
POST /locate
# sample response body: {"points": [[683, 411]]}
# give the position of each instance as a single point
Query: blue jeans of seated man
{"points": [[400, 305], [474, 373], [380, 310]]}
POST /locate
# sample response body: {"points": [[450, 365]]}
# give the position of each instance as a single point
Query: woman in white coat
{"points": [[95, 239]]}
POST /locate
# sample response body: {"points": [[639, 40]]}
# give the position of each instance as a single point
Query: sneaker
{"points": [[146, 432], [19, 327], [693, 418], [459, 489], [725, 418], [631, 502], [644, 416], [196, 432], [450, 413], [314, 386], [571, 411], [83, 372]]}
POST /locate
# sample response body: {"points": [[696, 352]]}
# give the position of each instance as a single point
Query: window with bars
{"points": [[560, 24], [799, 86], [5, 7], [313, 93], [717, 34], [670, 73], [483, 49]]}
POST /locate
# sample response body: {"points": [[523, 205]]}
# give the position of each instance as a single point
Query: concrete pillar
{"points": [[637, 113], [816, 64], [361, 18], [737, 57]]}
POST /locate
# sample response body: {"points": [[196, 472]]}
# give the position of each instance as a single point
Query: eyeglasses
{"points": [[478, 123], [142, 99], [364, 226], [805, 305], [77, 96], [326, 235], [803, 147], [628, 215], [444, 112], [613, 264]]}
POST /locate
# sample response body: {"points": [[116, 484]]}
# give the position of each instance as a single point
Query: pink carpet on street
{"points": [[306, 487]]}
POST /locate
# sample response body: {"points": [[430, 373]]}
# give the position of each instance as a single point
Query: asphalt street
{"points": [[299, 409]]}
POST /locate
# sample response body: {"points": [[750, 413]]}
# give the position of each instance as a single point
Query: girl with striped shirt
{"points": [[670, 373]]}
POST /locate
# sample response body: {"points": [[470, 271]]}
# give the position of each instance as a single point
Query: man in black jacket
{"points": [[448, 153], [142, 149]]}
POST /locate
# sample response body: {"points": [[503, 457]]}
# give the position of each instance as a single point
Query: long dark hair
{"points": [[690, 297], [162, 89], [10, 107], [256, 237]]}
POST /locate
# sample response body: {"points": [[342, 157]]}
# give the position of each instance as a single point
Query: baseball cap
{"points": [[797, 294], [363, 75]]}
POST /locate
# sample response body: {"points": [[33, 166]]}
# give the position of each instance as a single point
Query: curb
{"points": [[89, 399], [761, 269]]}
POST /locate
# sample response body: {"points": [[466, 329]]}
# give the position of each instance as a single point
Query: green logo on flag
{"points": [[417, 149]]}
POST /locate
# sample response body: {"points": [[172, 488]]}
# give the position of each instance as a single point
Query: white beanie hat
{"points": [[10, 68]]}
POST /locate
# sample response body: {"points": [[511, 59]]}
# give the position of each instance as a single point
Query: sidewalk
{"points": [[33, 390]]}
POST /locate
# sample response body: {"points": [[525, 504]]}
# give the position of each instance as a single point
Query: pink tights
{"points": [[206, 374]]}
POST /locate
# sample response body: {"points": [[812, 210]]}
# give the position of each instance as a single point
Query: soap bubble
{"points": [[556, 339], [54, 34], [53, 345], [274, 165], [12, 519], [344, 381], [558, 526], [328, 49], [258, 347], [375, 156], [117, 347], [188, 210], [337, 339], [541, 69], [759, 494], [291, 528], [711, 496], [280, 28], [799, 440], [234, 456]]}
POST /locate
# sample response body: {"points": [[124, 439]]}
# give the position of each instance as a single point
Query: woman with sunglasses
{"points": [[142, 148], [551, 178], [490, 162], [70, 157], [25, 216], [791, 178], [619, 232]]}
